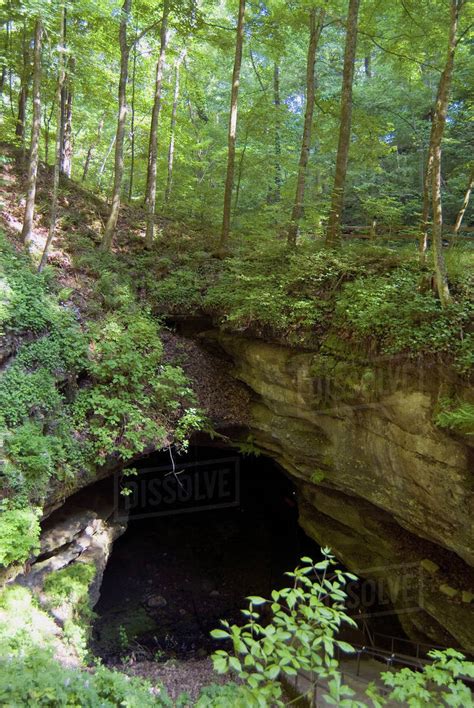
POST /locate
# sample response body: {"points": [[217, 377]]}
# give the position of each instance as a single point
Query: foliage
{"points": [[19, 533], [457, 416], [36, 679], [69, 584], [296, 631], [74, 395], [133, 390], [68, 588], [375, 297], [30, 676], [228, 694], [439, 683], [299, 635]]}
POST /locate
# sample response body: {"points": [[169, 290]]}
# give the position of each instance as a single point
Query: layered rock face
{"points": [[378, 482], [82, 531]]}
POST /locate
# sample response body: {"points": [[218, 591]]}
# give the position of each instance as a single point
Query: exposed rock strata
{"points": [[378, 481]]}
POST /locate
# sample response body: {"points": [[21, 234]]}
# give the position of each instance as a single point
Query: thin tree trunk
{"points": [[65, 165], [174, 111], [439, 121], [153, 144], [315, 29], [27, 231], [67, 150], [425, 214], [240, 170], [104, 161], [465, 204], [47, 127], [120, 134], [333, 235], [23, 93], [274, 193], [57, 161], [91, 150], [373, 229], [132, 123], [368, 65], [232, 134], [3, 74]]}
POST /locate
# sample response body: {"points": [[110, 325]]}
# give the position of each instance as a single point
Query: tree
{"points": [[153, 143], [439, 121], [120, 133], [66, 113], [315, 29], [57, 161], [174, 110], [27, 231], [91, 149], [465, 204], [24, 86], [337, 201], [232, 131]]}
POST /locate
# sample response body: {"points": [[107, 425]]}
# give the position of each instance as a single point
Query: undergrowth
{"points": [[74, 394], [371, 295]]}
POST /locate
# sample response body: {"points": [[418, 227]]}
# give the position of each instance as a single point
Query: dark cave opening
{"points": [[196, 545], [200, 538]]}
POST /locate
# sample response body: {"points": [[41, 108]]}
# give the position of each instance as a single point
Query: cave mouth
{"points": [[205, 530], [196, 544]]}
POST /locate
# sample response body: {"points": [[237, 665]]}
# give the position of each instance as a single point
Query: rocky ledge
{"points": [[378, 482]]}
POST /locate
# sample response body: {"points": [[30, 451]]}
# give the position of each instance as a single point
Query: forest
{"points": [[190, 178]]}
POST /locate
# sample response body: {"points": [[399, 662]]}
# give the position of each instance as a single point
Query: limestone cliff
{"points": [[378, 481]]}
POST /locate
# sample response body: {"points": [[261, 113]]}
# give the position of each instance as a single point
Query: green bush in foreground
{"points": [[36, 679], [299, 635]]}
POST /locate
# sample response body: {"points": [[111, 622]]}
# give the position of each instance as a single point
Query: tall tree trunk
{"points": [[333, 235], [240, 169], [174, 112], [439, 121], [425, 214], [66, 148], [23, 93], [57, 161], [65, 165], [315, 29], [3, 73], [120, 134], [132, 122], [106, 157], [465, 204], [91, 150], [274, 192], [153, 144], [27, 231], [232, 133], [47, 129]]}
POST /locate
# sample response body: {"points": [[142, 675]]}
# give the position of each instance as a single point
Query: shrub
{"points": [[19, 533], [300, 635], [133, 393], [38, 680]]}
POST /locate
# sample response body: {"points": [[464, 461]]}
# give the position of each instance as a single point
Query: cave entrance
{"points": [[183, 564]]}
